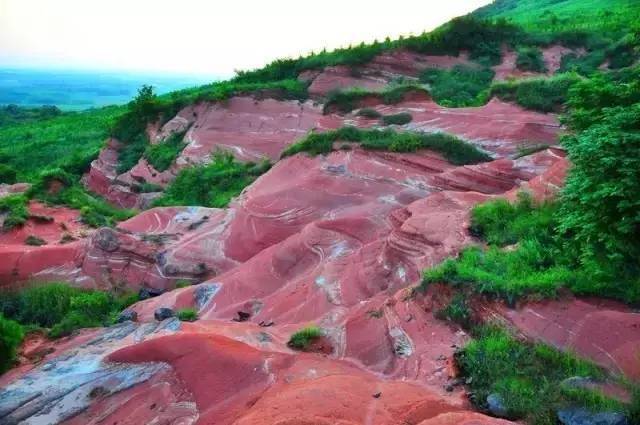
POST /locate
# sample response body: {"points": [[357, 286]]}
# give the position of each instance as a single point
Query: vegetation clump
{"points": [[401, 118], [369, 113], [34, 241], [212, 185], [453, 149], [303, 338], [15, 211], [460, 86], [163, 154], [528, 378], [345, 101], [62, 308], [8, 174], [538, 94], [187, 315], [530, 59], [11, 335]]}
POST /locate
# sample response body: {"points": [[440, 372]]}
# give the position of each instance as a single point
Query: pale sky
{"points": [[200, 36]]}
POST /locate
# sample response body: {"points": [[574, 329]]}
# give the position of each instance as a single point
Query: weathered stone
{"points": [[578, 416], [127, 315], [163, 313], [495, 404]]}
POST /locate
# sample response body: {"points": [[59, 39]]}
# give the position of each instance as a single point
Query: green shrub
{"points": [[212, 185], [460, 86], [530, 59], [457, 311], [345, 101], [163, 154], [584, 64], [7, 174], [303, 338], [34, 241], [538, 94], [11, 335], [528, 377], [63, 308], [187, 315], [401, 118], [369, 113], [15, 208], [453, 149]]}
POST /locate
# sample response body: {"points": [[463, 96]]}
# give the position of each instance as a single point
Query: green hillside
{"points": [[561, 15]]}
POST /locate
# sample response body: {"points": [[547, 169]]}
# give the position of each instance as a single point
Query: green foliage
{"points": [[55, 186], [212, 185], [63, 308], [163, 154], [582, 64], [460, 86], [600, 207], [11, 335], [530, 59], [539, 94], [34, 241], [303, 338], [14, 114], [187, 315], [7, 174], [401, 118], [369, 113], [528, 377], [69, 141], [15, 208], [345, 101], [453, 149]]}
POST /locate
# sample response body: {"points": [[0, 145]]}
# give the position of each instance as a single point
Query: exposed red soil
{"points": [[60, 228], [603, 331]]}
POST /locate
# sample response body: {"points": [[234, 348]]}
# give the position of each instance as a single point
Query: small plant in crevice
{"points": [[187, 315], [303, 338]]}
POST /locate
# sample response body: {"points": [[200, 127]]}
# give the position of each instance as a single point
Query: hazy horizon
{"points": [[197, 37]]}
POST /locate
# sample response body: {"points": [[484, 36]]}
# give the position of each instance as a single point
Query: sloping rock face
{"points": [[61, 233], [552, 57]]}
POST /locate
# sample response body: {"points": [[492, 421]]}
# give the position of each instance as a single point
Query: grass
{"points": [[303, 338], [345, 101], [457, 311], [530, 149], [528, 377], [212, 185], [14, 207], [163, 154], [455, 150], [401, 118], [11, 335], [187, 315], [369, 113], [94, 211], [460, 86], [538, 94], [61, 308], [530, 59]]}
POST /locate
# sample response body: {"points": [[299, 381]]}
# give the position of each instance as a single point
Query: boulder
{"points": [[163, 313], [127, 315], [578, 416], [495, 405]]}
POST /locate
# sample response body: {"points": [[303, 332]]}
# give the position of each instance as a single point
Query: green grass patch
{"points": [[530, 59], [369, 113], [15, 211], [187, 315], [163, 154], [401, 118], [303, 338], [460, 86], [345, 101], [11, 335], [62, 308], [455, 150], [538, 94], [212, 185], [530, 149], [528, 377]]}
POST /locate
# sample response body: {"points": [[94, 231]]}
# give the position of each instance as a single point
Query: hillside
{"points": [[560, 15], [435, 230]]}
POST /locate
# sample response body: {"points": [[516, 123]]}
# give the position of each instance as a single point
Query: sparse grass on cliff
{"points": [[345, 101], [212, 185], [455, 150], [528, 378], [187, 315], [303, 338], [163, 154]]}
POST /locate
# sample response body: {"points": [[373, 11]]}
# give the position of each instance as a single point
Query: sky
{"points": [[211, 38]]}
